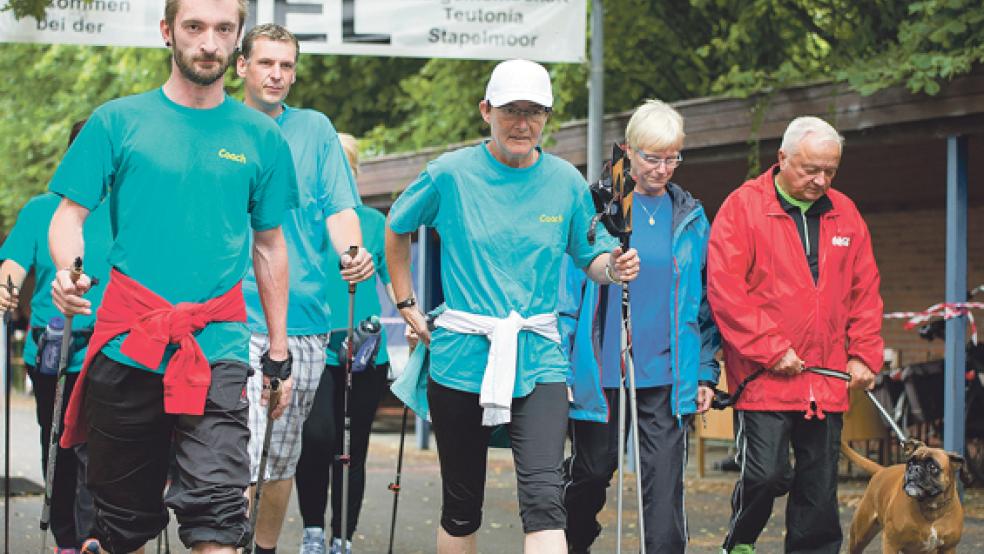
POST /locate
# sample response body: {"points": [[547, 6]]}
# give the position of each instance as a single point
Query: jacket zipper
{"points": [[806, 234], [816, 297]]}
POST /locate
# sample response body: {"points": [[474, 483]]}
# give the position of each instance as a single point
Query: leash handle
{"points": [[842, 375], [722, 400]]}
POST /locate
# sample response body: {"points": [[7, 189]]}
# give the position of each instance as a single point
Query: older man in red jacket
{"points": [[792, 284]]}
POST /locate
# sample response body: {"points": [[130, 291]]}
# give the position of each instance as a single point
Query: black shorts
{"points": [[537, 433], [130, 439]]}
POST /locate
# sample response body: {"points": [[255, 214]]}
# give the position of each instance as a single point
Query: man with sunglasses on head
{"points": [[506, 212], [793, 284]]}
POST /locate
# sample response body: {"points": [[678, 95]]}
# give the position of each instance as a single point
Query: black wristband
{"points": [[279, 370], [408, 303]]}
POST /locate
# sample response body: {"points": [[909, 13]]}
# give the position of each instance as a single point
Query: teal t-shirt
{"points": [[185, 186], [503, 235], [325, 186], [27, 244], [373, 224]]}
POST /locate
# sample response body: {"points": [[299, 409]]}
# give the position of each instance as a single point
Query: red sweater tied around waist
{"points": [[153, 323]]}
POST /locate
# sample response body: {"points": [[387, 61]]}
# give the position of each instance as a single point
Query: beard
{"points": [[204, 78]]}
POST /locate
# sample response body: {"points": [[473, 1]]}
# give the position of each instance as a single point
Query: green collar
{"points": [[803, 205]]}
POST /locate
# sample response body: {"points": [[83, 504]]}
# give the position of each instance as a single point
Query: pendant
{"points": [[652, 221]]}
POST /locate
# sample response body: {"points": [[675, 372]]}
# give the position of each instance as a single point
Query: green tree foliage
{"points": [[357, 92], [678, 49], [670, 49], [47, 89], [937, 40]]}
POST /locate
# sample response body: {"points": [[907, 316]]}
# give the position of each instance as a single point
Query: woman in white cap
{"points": [[506, 212]]}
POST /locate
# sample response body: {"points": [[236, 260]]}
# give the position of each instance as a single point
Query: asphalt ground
{"points": [[707, 501]]}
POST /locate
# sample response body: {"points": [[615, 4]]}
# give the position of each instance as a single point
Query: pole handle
{"points": [[353, 251], [76, 271]]}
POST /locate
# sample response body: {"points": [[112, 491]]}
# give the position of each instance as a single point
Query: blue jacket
{"points": [[694, 338]]}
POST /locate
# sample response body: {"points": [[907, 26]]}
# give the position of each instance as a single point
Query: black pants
{"points": [[763, 440], [537, 431], [663, 456], [130, 440], [322, 441], [71, 504]]}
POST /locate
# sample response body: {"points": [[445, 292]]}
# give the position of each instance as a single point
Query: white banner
{"points": [[542, 30]]}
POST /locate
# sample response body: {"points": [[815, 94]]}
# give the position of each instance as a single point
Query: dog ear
{"points": [[959, 466]]}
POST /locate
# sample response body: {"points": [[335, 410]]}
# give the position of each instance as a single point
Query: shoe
{"points": [[742, 549], [336, 546], [313, 541], [91, 546]]}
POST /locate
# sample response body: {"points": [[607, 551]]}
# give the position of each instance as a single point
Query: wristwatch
{"points": [[408, 303]]}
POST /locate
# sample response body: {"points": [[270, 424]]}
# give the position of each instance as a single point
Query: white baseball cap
{"points": [[514, 80]]}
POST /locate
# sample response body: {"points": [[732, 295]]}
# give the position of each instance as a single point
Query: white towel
{"points": [[500, 369]]}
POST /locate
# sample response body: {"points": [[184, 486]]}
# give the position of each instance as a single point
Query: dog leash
{"points": [[722, 400], [871, 396]]}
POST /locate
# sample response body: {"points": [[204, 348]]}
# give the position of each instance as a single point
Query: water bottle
{"points": [[49, 347], [365, 344]]}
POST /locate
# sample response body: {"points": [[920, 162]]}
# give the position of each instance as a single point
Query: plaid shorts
{"points": [[308, 352]]}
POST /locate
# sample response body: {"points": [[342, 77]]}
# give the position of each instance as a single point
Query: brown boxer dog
{"points": [[915, 503]]}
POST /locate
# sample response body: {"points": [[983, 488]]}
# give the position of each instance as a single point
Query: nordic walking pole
{"points": [[56, 413], [345, 458], [633, 404], [9, 381], [619, 221], [621, 454], [612, 196], [264, 456], [395, 485], [166, 542]]}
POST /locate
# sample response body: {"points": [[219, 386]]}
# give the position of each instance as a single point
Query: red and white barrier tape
{"points": [[945, 310]]}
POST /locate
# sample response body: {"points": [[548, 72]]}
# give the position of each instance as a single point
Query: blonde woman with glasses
{"points": [[673, 348]]}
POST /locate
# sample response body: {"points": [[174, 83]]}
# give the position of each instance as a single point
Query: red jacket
{"points": [[764, 299], [153, 323]]}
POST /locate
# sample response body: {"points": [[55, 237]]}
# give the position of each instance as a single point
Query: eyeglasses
{"points": [[537, 114], [669, 163]]}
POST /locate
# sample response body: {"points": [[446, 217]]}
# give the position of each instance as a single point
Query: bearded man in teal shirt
{"points": [[192, 177]]}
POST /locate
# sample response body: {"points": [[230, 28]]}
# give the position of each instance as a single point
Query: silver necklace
{"points": [[651, 214]]}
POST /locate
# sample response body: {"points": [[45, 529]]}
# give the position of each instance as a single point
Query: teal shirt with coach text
{"points": [[503, 231], [27, 244], [325, 186], [185, 187]]}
